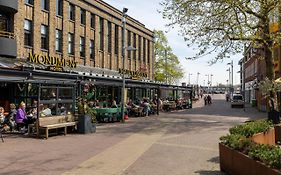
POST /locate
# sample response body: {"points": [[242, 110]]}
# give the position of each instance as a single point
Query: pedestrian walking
{"points": [[209, 99]]}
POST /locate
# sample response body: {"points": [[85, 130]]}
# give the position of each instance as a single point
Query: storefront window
{"points": [[48, 93], [56, 101]]}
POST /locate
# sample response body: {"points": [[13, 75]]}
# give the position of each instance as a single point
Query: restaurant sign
{"points": [[134, 74], [53, 63]]}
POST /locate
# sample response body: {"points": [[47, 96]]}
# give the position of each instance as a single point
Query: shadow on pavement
{"points": [[203, 172]]}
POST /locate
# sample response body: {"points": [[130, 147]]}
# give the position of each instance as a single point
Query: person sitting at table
{"points": [[146, 107], [46, 111], [2, 116], [21, 118], [114, 105], [11, 117]]}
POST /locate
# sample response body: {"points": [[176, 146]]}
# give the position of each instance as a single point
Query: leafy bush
{"points": [[268, 154], [251, 128], [237, 142]]}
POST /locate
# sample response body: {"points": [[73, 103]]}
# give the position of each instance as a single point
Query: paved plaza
{"points": [[180, 143]]}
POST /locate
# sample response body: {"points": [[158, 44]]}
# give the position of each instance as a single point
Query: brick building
{"points": [[72, 42]]}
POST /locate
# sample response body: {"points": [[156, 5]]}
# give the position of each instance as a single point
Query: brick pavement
{"points": [[182, 142]]}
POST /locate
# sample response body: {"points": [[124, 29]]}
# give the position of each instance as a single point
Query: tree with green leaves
{"points": [[225, 26], [167, 64]]}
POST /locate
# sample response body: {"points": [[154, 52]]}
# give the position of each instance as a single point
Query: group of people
{"points": [[16, 119], [208, 99], [149, 106]]}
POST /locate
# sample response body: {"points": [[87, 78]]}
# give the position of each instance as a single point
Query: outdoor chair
{"points": [[1, 135]]}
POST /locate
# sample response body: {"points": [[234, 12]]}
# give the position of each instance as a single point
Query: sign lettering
{"points": [[51, 61]]}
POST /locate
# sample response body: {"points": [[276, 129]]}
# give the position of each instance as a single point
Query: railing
{"points": [[7, 34]]}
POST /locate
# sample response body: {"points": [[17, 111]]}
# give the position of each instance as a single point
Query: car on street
{"points": [[237, 101]]}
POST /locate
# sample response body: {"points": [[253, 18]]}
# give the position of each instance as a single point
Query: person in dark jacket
{"points": [[11, 117]]}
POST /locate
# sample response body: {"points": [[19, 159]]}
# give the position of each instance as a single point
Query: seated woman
{"points": [[114, 105], [21, 118]]}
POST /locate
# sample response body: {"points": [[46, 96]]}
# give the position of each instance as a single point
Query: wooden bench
{"points": [[54, 122]]}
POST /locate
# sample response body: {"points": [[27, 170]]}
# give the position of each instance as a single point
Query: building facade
{"points": [[58, 46], [88, 32]]}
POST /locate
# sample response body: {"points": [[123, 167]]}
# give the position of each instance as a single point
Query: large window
{"points": [[58, 100], [71, 12], [92, 49], [148, 51], [28, 33], [45, 5], [116, 39], [93, 21], [109, 33], [44, 37], [129, 43], [139, 50], [30, 2], [59, 8], [135, 46], [101, 33], [83, 16], [144, 49], [82, 46], [71, 43], [58, 40]]}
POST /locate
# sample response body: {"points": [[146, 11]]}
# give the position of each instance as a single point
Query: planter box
{"points": [[265, 138], [85, 125], [234, 162], [277, 133]]}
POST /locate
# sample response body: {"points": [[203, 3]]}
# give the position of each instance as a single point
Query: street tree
{"points": [[223, 27], [167, 64]]}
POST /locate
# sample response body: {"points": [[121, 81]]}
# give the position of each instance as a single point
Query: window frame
{"points": [[92, 49], [45, 5], [93, 21], [58, 41], [116, 39], [82, 16], [29, 2], [44, 37], [71, 42], [109, 36], [71, 12], [101, 34], [82, 46], [28, 32], [59, 8]]}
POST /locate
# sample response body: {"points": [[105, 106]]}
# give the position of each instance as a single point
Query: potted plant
{"points": [[86, 115]]}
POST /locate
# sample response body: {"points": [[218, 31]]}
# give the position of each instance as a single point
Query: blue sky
{"points": [[145, 11]]}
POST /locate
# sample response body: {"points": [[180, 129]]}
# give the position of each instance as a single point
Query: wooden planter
{"points": [[265, 138], [234, 162]]}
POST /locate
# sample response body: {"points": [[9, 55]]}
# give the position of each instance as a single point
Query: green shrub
{"points": [[268, 154], [251, 128], [237, 142]]}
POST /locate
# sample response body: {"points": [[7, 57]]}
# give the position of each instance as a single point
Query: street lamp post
{"points": [[124, 49], [208, 82], [189, 78], [231, 65], [229, 82], [124, 15]]}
